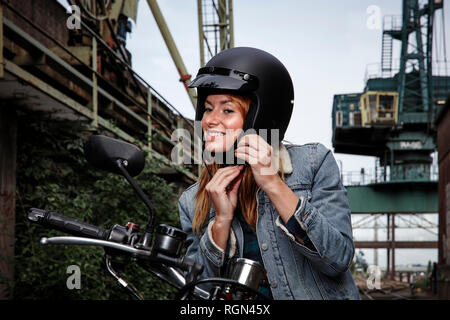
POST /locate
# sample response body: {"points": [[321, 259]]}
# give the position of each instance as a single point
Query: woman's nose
{"points": [[212, 118]]}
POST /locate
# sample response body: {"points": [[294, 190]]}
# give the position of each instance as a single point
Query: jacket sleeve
{"points": [[325, 218]]}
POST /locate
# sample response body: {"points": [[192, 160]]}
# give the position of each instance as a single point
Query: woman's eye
{"points": [[229, 111], [208, 109]]}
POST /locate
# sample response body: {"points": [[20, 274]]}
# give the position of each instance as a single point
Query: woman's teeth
{"points": [[215, 134]]}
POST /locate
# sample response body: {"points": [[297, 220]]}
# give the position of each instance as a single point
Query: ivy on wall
{"points": [[53, 174]]}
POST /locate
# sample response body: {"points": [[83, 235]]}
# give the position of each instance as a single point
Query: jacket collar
{"points": [[283, 155]]}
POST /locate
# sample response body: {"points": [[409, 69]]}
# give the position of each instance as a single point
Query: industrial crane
{"points": [[393, 120]]}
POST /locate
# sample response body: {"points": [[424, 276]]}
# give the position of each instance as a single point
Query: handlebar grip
{"points": [[66, 224]]}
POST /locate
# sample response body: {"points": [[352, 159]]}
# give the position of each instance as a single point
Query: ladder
{"points": [[386, 54], [215, 19]]}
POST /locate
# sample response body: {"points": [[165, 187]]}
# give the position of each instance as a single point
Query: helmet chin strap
{"points": [[228, 157]]}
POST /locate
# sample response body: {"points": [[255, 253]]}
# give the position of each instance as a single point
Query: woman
{"points": [[286, 207]]}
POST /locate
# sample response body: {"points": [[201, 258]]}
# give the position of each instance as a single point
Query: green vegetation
{"points": [[52, 174]]}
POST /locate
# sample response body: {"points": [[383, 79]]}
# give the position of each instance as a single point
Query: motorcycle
{"points": [[157, 250]]}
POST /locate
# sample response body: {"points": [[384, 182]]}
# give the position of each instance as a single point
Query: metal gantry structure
{"points": [[393, 120], [215, 27], [384, 228], [216, 33]]}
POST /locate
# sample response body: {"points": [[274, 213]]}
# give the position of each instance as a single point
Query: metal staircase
{"points": [[386, 54]]}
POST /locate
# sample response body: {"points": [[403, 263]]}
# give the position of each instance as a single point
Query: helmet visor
{"points": [[223, 78]]}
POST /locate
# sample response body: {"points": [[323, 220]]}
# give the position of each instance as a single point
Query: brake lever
{"points": [[137, 253], [192, 267]]}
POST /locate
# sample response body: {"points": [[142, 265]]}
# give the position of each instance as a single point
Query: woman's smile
{"points": [[222, 122]]}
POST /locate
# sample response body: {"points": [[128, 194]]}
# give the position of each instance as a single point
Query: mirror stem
{"points": [[146, 241]]}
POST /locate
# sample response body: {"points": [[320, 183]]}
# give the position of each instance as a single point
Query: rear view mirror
{"points": [[103, 152]]}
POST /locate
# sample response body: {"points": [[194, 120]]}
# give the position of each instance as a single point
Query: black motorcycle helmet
{"points": [[254, 73]]}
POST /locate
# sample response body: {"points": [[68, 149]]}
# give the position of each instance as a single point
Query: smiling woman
{"points": [[286, 208], [223, 120]]}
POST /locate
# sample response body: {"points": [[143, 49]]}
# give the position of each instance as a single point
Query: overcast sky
{"points": [[326, 45]]}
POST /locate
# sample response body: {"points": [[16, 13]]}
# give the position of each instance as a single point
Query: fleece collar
{"points": [[283, 155]]}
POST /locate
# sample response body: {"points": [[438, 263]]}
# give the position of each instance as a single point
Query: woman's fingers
{"points": [[218, 176], [222, 189], [222, 179], [254, 141], [248, 154], [257, 149], [258, 154], [253, 156], [234, 186]]}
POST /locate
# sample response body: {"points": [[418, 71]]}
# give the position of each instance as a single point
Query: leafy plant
{"points": [[53, 174]]}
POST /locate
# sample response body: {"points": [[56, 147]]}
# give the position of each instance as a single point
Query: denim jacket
{"points": [[293, 270]]}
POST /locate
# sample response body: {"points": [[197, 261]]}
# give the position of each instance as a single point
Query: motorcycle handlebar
{"points": [[66, 224], [87, 234]]}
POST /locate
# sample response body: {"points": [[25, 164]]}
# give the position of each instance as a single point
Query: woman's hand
{"points": [[223, 192], [258, 154]]}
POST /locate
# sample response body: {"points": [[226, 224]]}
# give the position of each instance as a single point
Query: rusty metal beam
{"points": [[398, 244]]}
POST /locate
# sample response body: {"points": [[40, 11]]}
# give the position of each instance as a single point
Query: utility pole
{"points": [[375, 238], [393, 246], [388, 266]]}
